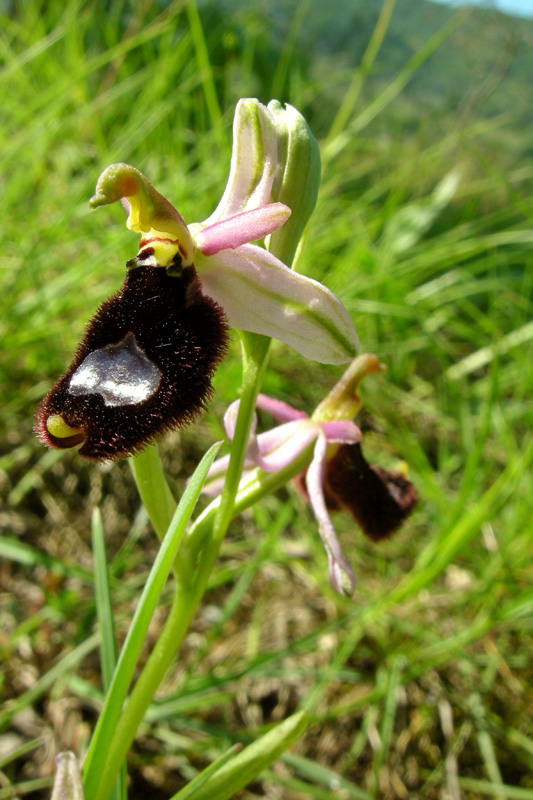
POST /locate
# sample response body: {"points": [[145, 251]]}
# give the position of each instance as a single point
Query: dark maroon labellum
{"points": [[144, 366], [378, 499]]}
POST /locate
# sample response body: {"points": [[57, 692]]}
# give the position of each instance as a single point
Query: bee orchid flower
{"points": [[338, 475], [148, 355], [256, 290]]}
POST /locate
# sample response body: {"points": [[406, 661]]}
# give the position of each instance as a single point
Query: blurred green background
{"points": [[420, 686]]}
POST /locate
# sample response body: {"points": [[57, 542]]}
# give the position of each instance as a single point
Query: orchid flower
{"points": [[256, 290], [338, 476], [147, 358]]}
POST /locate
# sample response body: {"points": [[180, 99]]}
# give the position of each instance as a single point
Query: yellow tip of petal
{"points": [[57, 427], [148, 209], [402, 467]]}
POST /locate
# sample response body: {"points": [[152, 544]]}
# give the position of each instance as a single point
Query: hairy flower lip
{"points": [[116, 406], [386, 498]]}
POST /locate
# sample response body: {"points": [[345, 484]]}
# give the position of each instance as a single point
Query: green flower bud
{"points": [[297, 177]]}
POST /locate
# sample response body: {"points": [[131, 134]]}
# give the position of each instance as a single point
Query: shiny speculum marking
{"points": [[121, 373]]}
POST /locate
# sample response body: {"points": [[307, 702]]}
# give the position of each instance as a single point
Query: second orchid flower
{"points": [[338, 476]]}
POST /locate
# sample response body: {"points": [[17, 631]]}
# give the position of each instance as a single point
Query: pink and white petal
{"points": [[253, 161], [341, 431], [260, 294], [279, 446], [217, 475], [340, 572], [230, 233], [278, 409], [230, 419]]}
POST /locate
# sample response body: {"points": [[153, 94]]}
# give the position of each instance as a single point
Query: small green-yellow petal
{"points": [[344, 401], [150, 214]]}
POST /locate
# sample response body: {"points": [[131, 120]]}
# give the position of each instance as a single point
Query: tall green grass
{"points": [[421, 684]]}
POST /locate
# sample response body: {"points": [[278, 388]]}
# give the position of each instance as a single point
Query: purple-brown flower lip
{"points": [[144, 366]]}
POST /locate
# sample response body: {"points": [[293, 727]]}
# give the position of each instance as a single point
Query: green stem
{"points": [[259, 485], [184, 607], [255, 357], [99, 768], [153, 489], [190, 584], [176, 626]]}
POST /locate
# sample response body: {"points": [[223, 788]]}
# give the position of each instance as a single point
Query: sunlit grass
{"points": [[419, 685]]}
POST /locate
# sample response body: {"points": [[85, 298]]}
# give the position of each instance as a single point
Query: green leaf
{"points": [[105, 729], [15, 550], [188, 792], [253, 760], [108, 650]]}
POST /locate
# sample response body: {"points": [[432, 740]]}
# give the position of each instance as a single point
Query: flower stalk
{"points": [[153, 489]]}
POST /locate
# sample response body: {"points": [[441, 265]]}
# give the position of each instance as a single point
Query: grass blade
{"points": [[107, 722], [253, 760], [104, 609]]}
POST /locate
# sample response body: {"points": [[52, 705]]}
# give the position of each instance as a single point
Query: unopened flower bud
{"points": [[67, 782], [297, 177]]}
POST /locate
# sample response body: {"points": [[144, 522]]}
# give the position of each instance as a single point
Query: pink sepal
{"points": [[341, 431], [340, 573], [277, 409], [279, 446], [261, 294]]}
